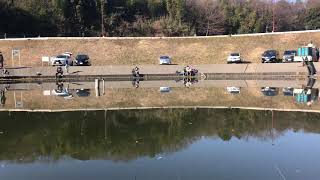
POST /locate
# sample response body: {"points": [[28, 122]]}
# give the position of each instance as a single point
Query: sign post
{"points": [[16, 53]]}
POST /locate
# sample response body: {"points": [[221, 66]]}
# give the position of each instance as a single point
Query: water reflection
{"points": [[131, 134], [113, 94], [159, 144]]}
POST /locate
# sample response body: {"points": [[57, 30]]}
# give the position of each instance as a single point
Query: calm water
{"points": [[160, 144]]}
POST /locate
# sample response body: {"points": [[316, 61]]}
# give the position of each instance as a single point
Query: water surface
{"points": [[160, 144]]}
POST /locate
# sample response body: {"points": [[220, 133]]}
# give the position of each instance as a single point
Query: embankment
{"points": [[132, 51]]}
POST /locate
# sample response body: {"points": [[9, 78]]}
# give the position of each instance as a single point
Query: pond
{"points": [[159, 144], [161, 129]]}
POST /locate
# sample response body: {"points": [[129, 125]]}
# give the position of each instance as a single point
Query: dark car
{"points": [[82, 60], [270, 56], [288, 56], [83, 92], [270, 91]]}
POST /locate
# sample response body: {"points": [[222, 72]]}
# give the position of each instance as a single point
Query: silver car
{"points": [[164, 60]]}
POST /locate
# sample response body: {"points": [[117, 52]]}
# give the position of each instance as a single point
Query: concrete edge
{"points": [[159, 107]]}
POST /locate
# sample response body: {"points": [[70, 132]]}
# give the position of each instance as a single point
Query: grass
{"points": [[211, 50]]}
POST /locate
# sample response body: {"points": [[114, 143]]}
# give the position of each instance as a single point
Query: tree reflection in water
{"points": [[130, 134]]}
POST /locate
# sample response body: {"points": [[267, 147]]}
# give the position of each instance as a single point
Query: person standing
{"points": [[1, 60], [67, 66]]}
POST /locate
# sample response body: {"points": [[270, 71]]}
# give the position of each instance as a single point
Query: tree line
{"points": [[155, 17]]}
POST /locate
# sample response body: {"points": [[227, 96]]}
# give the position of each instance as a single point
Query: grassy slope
{"points": [[146, 51]]}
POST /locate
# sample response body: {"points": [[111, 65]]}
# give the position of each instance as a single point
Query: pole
{"points": [[273, 17], [105, 124], [102, 18]]}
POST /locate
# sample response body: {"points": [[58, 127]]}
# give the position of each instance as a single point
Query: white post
{"points": [[97, 87], [19, 59], [15, 100], [103, 90], [12, 62]]}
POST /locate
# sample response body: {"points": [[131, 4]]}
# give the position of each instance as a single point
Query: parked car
{"points": [[270, 56], [165, 89], [233, 90], [62, 60], [270, 91], [287, 91], [165, 60], [82, 60], [288, 56], [234, 58], [83, 92], [61, 92]]}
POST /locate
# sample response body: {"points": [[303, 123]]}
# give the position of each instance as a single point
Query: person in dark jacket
{"points": [[1, 60], [2, 98]]}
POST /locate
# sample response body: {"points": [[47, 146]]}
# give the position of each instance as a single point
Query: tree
{"points": [[312, 20], [210, 20]]}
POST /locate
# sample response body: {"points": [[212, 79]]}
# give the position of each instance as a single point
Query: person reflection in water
{"points": [[2, 97], [309, 92], [59, 87], [136, 83]]}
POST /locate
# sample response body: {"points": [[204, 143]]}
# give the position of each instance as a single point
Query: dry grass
{"points": [[146, 51]]}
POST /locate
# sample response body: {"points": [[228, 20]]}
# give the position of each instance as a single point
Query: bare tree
{"points": [[210, 19]]}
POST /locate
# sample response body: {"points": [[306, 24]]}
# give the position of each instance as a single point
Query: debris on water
{"points": [[137, 141], [1, 132], [158, 158], [280, 172], [190, 123]]}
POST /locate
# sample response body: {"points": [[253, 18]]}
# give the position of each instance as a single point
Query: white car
{"points": [[165, 89], [234, 58], [63, 92], [164, 60], [62, 60], [233, 90]]}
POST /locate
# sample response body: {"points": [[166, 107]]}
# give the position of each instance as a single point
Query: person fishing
{"points": [[187, 71], [1, 60], [135, 72], [311, 68]]}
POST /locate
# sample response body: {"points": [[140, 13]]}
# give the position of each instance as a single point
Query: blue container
{"points": [[305, 51]]}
